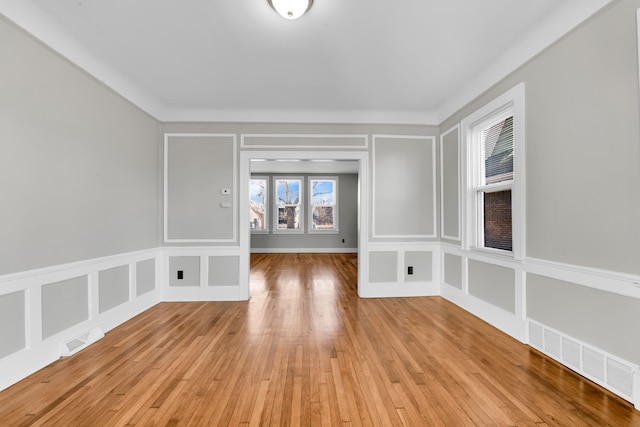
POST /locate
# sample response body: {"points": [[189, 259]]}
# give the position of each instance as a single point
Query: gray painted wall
{"points": [[583, 174], [79, 167], [425, 173], [582, 133], [347, 221]]}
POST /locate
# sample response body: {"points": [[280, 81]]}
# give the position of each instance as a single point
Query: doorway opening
{"points": [[305, 163]]}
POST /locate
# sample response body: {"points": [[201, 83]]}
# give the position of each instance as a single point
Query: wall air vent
{"points": [[81, 341], [614, 374]]}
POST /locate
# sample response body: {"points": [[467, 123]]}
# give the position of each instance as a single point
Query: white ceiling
{"points": [[363, 61]]}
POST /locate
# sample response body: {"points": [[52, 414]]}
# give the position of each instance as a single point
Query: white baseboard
{"points": [[507, 322], [400, 290], [302, 250]]}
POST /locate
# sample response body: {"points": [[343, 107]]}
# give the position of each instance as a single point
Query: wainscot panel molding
{"points": [[404, 165], [38, 351], [403, 285], [200, 291], [197, 168], [604, 280], [561, 346]]}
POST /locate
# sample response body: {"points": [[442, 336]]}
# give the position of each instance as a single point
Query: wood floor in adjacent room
{"points": [[305, 350]]}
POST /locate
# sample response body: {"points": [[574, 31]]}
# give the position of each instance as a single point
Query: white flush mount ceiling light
{"points": [[291, 9]]}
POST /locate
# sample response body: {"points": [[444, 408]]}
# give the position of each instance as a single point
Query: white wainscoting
{"points": [[624, 379], [513, 324], [402, 286], [201, 291], [39, 352]]}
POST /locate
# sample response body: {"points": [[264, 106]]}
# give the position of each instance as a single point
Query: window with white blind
{"points": [[495, 173]]}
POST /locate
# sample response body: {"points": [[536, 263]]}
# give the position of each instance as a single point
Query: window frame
{"points": [[336, 211], [267, 215], [301, 205], [511, 103]]}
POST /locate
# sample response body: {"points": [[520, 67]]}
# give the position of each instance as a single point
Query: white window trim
{"points": [[514, 101], [274, 200], [267, 208], [336, 208]]}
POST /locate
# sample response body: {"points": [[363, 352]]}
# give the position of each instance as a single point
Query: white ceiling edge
{"points": [[300, 116], [555, 27], [33, 20]]}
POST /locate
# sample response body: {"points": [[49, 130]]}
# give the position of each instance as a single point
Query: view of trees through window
{"points": [[258, 204], [323, 199], [288, 203]]}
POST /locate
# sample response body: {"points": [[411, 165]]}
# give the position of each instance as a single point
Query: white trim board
{"points": [[246, 156], [321, 141], [303, 250]]}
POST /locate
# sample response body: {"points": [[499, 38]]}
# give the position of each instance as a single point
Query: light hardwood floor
{"points": [[305, 350]]}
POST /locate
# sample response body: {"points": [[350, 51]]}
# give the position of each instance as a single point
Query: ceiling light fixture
{"points": [[291, 9]]}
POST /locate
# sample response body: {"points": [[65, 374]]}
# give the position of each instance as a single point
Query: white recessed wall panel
{"points": [[453, 270], [184, 271], [450, 183], [383, 267], [494, 284], [145, 276], [12, 319], [64, 304], [224, 271], [198, 167], [404, 186], [113, 287]]}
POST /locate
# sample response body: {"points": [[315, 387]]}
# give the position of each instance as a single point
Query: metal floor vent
{"points": [[608, 371], [80, 342]]}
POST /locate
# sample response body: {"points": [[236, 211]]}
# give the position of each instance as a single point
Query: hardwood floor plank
{"points": [[306, 351]]}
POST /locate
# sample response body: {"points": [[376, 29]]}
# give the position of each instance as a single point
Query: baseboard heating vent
{"points": [[614, 374], [80, 342]]}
